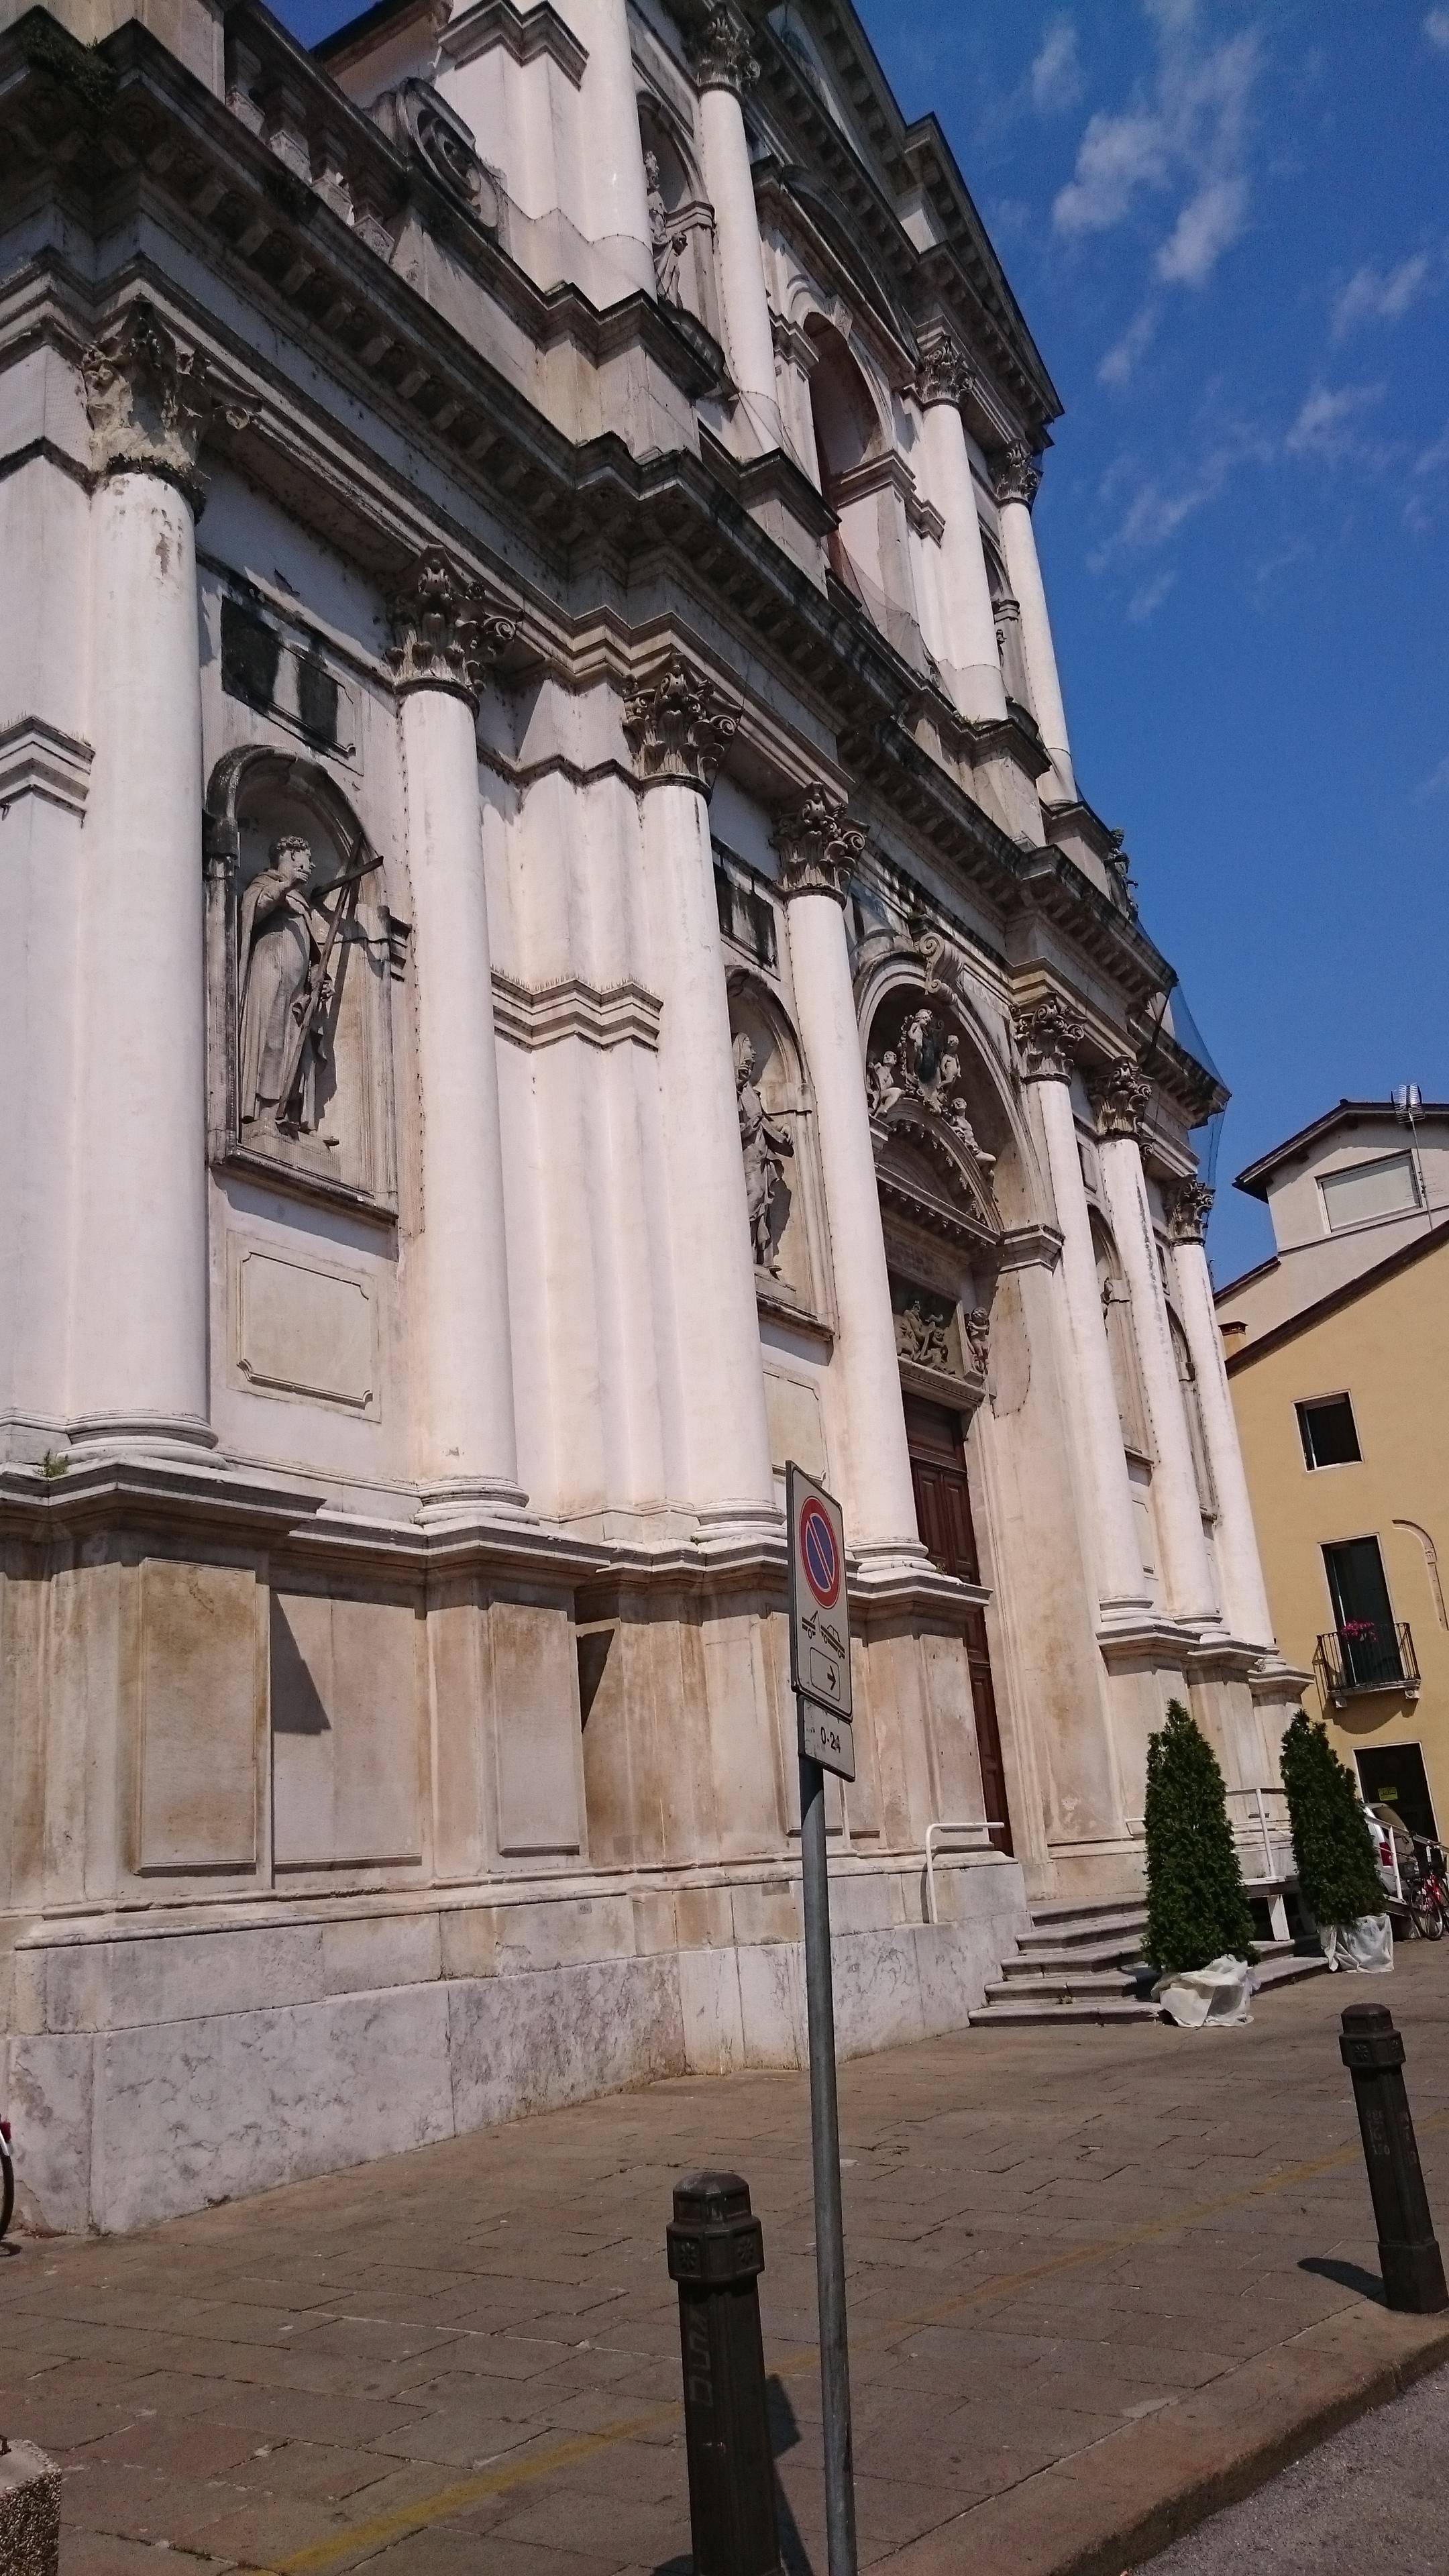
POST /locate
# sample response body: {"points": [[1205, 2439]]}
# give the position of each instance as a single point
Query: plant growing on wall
{"points": [[1330, 1840], [1196, 1908]]}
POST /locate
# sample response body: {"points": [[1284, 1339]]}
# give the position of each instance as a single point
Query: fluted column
{"points": [[942, 381], [1240, 1567], [1017, 479], [1047, 1038], [677, 728], [138, 1371], [725, 68], [1121, 1106], [817, 847], [444, 638]]}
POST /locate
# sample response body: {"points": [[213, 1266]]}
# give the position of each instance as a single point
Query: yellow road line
{"points": [[404, 2519]]}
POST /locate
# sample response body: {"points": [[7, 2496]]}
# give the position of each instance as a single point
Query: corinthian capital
{"points": [[150, 402], [945, 373], [817, 847], [721, 52], [1188, 1211], [1120, 1099], [1018, 475], [1047, 1038], [445, 636], [678, 728]]}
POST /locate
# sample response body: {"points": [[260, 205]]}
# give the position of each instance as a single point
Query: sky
{"points": [[1226, 224]]}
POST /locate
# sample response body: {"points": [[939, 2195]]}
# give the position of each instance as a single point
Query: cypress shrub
{"points": [[1330, 1839], [1196, 1908]]}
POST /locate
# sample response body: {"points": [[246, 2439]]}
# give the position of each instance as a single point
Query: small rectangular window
{"points": [[1329, 1433], [251, 655], [1386, 1187]]}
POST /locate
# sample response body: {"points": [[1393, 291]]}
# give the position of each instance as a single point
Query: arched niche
{"points": [[777, 1144], [301, 950], [1121, 1340], [681, 218]]}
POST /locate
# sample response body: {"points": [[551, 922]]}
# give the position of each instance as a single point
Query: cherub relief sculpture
{"points": [[924, 1065], [667, 243], [285, 942], [764, 1144], [925, 1338]]}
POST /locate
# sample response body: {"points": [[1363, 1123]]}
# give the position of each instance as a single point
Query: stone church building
{"points": [[552, 958]]}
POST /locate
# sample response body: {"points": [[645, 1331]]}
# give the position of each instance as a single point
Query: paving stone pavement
{"points": [[1092, 2273]]}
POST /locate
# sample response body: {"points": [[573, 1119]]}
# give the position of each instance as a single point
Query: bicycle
{"points": [[1427, 1895]]}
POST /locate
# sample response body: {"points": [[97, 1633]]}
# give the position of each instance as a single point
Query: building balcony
{"points": [[1368, 1655]]}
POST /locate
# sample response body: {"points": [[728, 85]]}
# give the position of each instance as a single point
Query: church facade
{"points": [[554, 959]]}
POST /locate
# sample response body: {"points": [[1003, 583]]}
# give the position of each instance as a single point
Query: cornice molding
{"points": [[446, 634], [818, 848], [542, 1015], [678, 727], [36, 759]]}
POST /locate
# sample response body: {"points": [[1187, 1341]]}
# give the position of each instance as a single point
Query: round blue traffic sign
{"points": [[819, 1554]]}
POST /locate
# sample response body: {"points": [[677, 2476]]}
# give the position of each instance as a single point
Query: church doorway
{"points": [[943, 1515]]}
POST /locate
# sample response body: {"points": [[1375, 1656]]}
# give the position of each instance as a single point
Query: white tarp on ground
{"points": [[1220, 1992], [1367, 1944]]}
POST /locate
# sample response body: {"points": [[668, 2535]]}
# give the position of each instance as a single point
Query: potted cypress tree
{"points": [[1196, 1908], [1336, 1873]]}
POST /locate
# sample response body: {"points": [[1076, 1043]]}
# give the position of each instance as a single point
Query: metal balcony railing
{"points": [[1368, 1655]]}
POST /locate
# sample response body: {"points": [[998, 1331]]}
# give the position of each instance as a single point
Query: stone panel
{"points": [[200, 1682], [537, 1754], [345, 1731], [531, 2043], [305, 1330]]}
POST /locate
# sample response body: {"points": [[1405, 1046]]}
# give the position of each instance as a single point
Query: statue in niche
{"points": [[668, 244], [978, 1336], [924, 1337], [764, 1143], [285, 944]]}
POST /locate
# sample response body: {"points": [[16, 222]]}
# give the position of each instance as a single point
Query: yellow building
{"points": [[1338, 1361]]}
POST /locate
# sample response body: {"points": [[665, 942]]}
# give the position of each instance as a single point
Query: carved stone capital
{"points": [[1188, 1211], [721, 52], [151, 402], [945, 373], [1047, 1038], [817, 847], [1120, 1099], [678, 728], [1018, 475], [445, 636]]}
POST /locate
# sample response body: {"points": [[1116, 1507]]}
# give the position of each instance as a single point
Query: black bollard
{"points": [[716, 2254], [1373, 2052]]}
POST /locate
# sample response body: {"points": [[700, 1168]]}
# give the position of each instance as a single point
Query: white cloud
{"points": [[1120, 363], [1056, 74], [1145, 602], [1327, 424], [1158, 510], [1185, 132], [1436, 28], [1436, 784], [1379, 294], [1431, 459]]}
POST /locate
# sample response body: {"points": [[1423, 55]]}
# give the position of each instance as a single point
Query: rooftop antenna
{"points": [[1407, 1099]]}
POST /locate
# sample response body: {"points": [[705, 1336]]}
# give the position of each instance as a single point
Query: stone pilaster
{"points": [[1017, 479], [725, 67], [943, 379], [1240, 1567]]}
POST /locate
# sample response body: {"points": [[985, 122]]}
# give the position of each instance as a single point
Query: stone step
{"points": [[1075, 1909], [1014, 2016], [1064, 1984], [1121, 1953], [1118, 1926]]}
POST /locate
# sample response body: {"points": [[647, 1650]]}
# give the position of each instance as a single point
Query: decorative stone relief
{"points": [[1188, 1211], [1047, 1038], [151, 402], [925, 1334], [418, 118], [1018, 475], [925, 1065], [668, 243], [1121, 1098], [678, 728], [945, 373], [817, 847], [445, 634], [764, 1145], [721, 52]]}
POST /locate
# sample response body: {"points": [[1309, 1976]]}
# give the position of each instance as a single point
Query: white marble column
{"points": [[974, 669], [1017, 479], [138, 1323], [1240, 1567], [610, 149], [816, 848], [725, 68], [467, 1446], [1047, 1037], [1187, 1570], [677, 728]]}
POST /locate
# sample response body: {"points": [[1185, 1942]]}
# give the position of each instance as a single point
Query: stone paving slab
{"points": [[1102, 2280]]}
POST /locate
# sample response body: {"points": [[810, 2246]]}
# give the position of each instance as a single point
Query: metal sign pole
{"points": [[825, 2152]]}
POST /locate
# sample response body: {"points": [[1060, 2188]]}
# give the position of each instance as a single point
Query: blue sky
{"points": [[1225, 221]]}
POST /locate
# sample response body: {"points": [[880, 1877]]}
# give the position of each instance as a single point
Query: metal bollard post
{"points": [[716, 2254], [1373, 2052]]}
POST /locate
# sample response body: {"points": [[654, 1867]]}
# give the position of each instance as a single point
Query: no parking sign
{"points": [[819, 1623]]}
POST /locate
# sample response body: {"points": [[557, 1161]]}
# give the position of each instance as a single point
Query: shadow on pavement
{"points": [[1350, 2276], [784, 2435]]}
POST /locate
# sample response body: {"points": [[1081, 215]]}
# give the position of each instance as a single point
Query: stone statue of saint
{"points": [[764, 1143], [281, 938], [668, 244]]}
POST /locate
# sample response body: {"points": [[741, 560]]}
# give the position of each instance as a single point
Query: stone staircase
{"points": [[1080, 1962]]}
